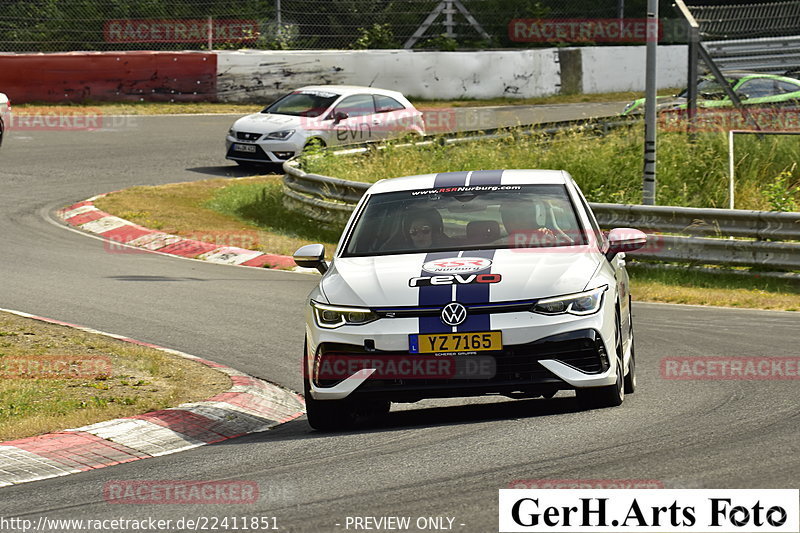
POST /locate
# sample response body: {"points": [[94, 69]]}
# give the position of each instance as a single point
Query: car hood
{"points": [[524, 274], [267, 122]]}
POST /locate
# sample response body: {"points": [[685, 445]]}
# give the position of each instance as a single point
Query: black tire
{"points": [[326, 415], [335, 415], [329, 415], [630, 377], [610, 395], [2, 131], [314, 145]]}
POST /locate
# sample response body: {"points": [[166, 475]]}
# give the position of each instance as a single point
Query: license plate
{"points": [[456, 342], [245, 148]]}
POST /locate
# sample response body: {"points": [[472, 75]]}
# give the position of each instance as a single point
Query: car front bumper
{"points": [[540, 355], [260, 151]]}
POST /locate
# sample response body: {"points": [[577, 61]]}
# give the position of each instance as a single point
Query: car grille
{"points": [[247, 136]]}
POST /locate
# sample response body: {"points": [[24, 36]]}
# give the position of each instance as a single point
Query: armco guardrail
{"points": [[331, 201]]}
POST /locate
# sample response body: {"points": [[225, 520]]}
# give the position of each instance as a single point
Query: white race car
{"points": [[468, 283], [325, 115], [5, 116]]}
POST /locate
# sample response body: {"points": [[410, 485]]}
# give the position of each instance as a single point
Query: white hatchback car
{"points": [[468, 283], [5, 116], [325, 115]]}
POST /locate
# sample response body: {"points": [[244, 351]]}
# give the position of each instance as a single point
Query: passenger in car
{"points": [[526, 224]]}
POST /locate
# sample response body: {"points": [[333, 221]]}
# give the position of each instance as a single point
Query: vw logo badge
{"points": [[454, 314]]}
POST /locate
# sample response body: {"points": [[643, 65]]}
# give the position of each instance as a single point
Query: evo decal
{"points": [[455, 279]]}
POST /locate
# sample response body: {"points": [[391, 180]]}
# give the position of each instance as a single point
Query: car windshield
{"points": [[469, 218], [302, 104]]}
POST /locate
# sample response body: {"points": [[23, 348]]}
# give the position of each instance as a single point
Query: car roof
{"points": [[508, 177], [345, 90]]}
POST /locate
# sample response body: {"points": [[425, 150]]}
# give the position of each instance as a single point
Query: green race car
{"points": [[753, 88]]}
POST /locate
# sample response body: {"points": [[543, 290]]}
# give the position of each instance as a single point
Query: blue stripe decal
{"points": [[435, 296], [486, 177], [450, 179], [476, 293]]}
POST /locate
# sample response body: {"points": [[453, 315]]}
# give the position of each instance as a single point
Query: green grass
{"points": [[261, 205], [132, 380], [608, 169], [684, 286]]}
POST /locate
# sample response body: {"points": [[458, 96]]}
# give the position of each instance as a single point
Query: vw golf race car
{"points": [[468, 283]]}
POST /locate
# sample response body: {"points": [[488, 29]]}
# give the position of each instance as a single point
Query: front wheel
{"points": [[333, 415], [630, 377], [328, 415], [610, 395], [314, 145]]}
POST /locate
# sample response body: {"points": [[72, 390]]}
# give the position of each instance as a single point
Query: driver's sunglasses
{"points": [[422, 230]]}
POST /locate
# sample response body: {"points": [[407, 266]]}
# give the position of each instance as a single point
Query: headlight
{"points": [[280, 135], [333, 316], [582, 303], [232, 132]]}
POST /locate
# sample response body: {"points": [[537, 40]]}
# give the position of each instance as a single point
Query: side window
{"points": [[758, 88], [357, 105], [385, 104], [786, 87]]}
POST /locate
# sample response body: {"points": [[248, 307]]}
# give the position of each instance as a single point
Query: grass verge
{"points": [[679, 286], [608, 168], [244, 212], [254, 205], [181, 108], [56, 377]]}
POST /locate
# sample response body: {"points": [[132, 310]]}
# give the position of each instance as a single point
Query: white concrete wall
{"points": [[262, 75], [257, 75], [621, 68]]}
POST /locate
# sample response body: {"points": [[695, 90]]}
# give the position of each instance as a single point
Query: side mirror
{"points": [[339, 116], [742, 96], [624, 240], [311, 256]]}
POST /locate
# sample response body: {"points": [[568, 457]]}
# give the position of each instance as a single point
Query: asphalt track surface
{"points": [[432, 459]]}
